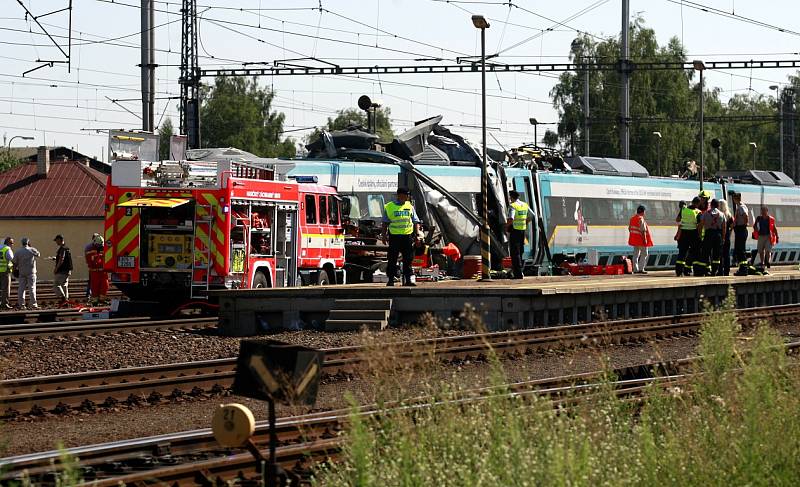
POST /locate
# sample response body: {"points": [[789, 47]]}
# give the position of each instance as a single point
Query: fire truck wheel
{"points": [[260, 281], [323, 279]]}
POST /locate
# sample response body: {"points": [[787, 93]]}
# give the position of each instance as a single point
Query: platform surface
{"points": [[542, 285]]}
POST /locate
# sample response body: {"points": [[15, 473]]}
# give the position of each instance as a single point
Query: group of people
{"points": [[705, 227], [21, 264], [401, 231]]}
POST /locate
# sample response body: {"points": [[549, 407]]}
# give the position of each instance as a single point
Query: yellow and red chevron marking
{"points": [[126, 239], [108, 251], [208, 202]]}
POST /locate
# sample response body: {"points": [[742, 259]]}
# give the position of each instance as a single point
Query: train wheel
{"points": [[323, 279], [260, 281]]}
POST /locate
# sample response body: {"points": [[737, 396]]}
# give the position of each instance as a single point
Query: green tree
{"points": [[550, 139], [666, 101], [165, 131], [653, 94], [347, 117], [236, 112]]}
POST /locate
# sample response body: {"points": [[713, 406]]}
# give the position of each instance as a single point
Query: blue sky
{"points": [[57, 107]]}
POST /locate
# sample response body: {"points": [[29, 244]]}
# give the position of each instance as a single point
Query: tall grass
{"points": [[737, 422]]}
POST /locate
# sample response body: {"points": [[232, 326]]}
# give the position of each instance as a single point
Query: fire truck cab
{"points": [[175, 229]]}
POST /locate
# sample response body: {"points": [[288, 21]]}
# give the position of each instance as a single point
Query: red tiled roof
{"points": [[70, 190]]}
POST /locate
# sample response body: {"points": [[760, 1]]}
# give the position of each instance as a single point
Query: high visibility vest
{"points": [[689, 218], [520, 215], [5, 265], [636, 237], [400, 218]]}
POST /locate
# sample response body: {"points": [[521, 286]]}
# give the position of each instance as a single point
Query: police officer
{"points": [[401, 223], [517, 226], [688, 239], [713, 223]]}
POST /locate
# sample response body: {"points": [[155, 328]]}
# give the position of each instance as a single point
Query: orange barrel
{"points": [[472, 266]]}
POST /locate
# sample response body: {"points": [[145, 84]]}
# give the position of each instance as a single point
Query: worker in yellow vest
{"points": [[688, 241], [519, 215], [401, 223], [6, 256]]}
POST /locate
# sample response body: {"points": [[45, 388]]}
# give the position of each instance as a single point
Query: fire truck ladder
{"points": [[203, 221]]}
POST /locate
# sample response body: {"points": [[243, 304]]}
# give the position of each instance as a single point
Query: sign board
{"points": [[277, 371]]}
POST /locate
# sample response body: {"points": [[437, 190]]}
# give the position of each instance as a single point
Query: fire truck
{"points": [[175, 229]]}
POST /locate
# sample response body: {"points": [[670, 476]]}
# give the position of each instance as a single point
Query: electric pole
{"points": [[190, 75], [625, 73], [148, 66]]}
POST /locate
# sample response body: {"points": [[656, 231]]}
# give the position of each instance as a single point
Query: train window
{"points": [[355, 207], [311, 209], [375, 205], [323, 210], [333, 210], [618, 212]]}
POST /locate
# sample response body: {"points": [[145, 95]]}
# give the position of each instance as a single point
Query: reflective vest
{"points": [[5, 265], [773, 235], [636, 237], [689, 218], [400, 218], [520, 215]]}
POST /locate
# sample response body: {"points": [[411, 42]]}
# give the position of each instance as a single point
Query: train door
{"points": [[522, 185], [286, 235]]}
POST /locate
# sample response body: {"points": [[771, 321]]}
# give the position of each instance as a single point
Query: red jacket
{"points": [[773, 234], [637, 237]]}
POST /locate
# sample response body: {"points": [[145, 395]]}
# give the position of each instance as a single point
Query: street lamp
{"points": [[779, 100], [486, 259], [658, 153], [535, 124], [700, 66], [23, 137], [755, 149]]}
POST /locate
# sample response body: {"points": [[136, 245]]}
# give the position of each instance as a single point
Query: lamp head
{"points": [[698, 65], [479, 21]]}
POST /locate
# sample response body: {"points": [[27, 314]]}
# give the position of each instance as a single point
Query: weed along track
{"points": [[90, 391], [195, 457]]}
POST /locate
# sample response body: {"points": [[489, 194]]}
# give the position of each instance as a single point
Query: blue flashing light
{"points": [[305, 179]]}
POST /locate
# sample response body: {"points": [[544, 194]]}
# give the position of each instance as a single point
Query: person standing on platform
{"points": [[98, 279], [517, 226], [764, 227], [62, 270], [712, 224], [687, 240], [741, 222], [725, 268], [6, 266], [639, 238], [401, 223], [25, 263]]}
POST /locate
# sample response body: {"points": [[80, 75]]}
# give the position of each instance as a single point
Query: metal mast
{"points": [[148, 64], [190, 75], [625, 73]]}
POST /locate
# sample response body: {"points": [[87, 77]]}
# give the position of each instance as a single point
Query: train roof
{"points": [[608, 166], [761, 178]]}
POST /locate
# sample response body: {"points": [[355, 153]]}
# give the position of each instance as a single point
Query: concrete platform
{"points": [[507, 304]]}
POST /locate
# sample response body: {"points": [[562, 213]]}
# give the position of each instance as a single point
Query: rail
{"points": [[90, 390]]}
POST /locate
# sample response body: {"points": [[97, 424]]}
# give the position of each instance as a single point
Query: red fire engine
{"points": [[175, 229]]}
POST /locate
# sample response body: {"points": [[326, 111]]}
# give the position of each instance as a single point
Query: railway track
{"points": [[194, 457], [90, 390], [45, 293], [98, 327]]}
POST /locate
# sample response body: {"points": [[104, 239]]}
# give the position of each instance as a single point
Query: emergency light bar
{"points": [[304, 179]]}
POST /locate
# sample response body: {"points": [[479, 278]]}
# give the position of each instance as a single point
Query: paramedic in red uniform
{"points": [[98, 279], [401, 223], [639, 238]]}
